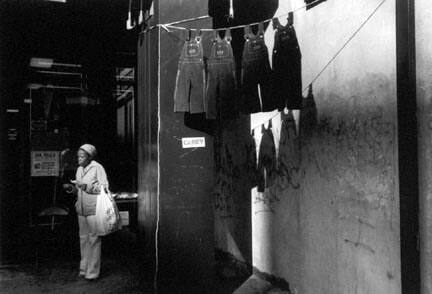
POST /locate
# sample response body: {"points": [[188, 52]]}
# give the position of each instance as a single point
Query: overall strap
{"points": [[276, 23], [290, 19], [261, 29], [247, 32], [189, 35], [215, 35], [228, 37], [198, 35]]}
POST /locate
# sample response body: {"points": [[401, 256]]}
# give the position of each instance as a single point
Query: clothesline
{"points": [[345, 44], [335, 55], [172, 25]]}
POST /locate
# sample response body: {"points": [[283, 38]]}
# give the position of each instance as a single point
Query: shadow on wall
{"points": [[233, 231]]}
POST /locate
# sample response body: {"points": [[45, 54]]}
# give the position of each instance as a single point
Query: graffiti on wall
{"points": [[353, 151]]}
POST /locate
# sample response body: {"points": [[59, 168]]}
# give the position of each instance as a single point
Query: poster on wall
{"points": [[44, 163]]}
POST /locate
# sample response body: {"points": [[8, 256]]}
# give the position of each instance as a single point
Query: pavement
{"points": [[120, 273]]}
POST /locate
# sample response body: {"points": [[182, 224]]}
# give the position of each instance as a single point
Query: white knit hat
{"points": [[90, 149]]}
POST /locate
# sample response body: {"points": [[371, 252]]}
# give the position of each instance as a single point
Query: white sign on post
{"points": [[193, 142], [44, 163]]}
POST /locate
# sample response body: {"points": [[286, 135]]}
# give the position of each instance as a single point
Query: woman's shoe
{"points": [[91, 279]]}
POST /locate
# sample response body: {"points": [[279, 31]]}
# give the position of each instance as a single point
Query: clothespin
{"points": [[291, 18], [270, 124], [253, 133], [262, 129]]}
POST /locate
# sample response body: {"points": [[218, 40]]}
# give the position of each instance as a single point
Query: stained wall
{"points": [[331, 224]]}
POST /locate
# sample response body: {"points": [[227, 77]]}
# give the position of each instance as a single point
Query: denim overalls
{"points": [[287, 89], [190, 83], [221, 85], [255, 71]]}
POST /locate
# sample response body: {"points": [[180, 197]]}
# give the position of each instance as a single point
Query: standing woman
{"points": [[90, 177]]}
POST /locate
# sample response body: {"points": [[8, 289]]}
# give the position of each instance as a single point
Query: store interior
{"points": [[70, 76]]}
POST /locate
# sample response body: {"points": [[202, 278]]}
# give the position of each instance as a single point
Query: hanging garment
{"points": [[255, 71], [308, 114], [266, 159], [289, 151], [190, 82], [221, 84], [287, 89], [251, 160]]}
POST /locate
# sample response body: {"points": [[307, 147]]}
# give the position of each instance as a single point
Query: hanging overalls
{"points": [[256, 72], [221, 85], [287, 79], [190, 82]]}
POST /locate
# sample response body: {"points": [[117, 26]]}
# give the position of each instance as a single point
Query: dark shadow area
{"points": [[245, 12], [90, 34]]}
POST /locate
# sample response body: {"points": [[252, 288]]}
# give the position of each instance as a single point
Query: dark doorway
{"points": [[67, 71]]}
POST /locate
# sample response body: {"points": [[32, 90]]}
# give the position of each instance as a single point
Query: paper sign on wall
{"points": [[193, 142], [44, 163]]}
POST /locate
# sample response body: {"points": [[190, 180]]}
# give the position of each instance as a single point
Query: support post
{"points": [[407, 137]]}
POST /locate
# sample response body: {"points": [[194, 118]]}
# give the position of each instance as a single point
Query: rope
{"points": [[345, 44], [337, 53], [172, 25]]}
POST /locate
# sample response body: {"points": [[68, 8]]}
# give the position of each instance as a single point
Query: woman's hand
{"points": [[79, 184]]}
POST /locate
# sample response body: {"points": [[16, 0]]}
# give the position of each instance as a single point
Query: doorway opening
{"points": [[72, 82]]}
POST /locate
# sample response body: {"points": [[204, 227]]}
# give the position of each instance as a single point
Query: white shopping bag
{"points": [[107, 214]]}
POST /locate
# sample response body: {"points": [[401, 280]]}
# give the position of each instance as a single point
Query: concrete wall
{"points": [[232, 193], [175, 184], [333, 225], [423, 29], [233, 232]]}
